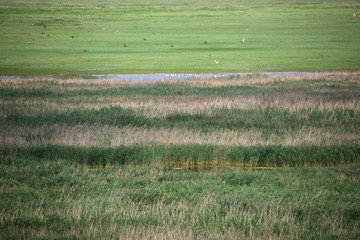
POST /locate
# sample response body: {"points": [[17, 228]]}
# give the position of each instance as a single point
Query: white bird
{"points": [[243, 40], [216, 62], [238, 54], [246, 29]]}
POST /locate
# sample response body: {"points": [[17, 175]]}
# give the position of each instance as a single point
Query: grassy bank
{"points": [[52, 199], [82, 37]]}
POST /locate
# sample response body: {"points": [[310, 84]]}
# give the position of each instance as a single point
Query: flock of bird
{"points": [[84, 50]]}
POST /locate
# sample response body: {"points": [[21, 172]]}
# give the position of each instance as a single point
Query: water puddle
{"points": [[180, 76], [197, 168]]}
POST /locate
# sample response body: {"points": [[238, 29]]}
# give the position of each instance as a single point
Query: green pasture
{"points": [[282, 36]]}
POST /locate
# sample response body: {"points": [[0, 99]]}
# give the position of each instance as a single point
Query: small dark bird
{"points": [[124, 45], [172, 45], [144, 39], [209, 55], [84, 51], [48, 35], [42, 33], [72, 37], [205, 42], [44, 26]]}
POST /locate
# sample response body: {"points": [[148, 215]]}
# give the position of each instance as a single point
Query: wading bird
{"points": [[356, 7], [243, 40], [216, 62]]}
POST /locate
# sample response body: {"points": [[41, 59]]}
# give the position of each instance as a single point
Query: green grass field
{"points": [[313, 35]]}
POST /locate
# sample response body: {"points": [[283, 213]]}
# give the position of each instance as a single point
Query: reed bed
{"points": [[319, 110], [85, 135]]}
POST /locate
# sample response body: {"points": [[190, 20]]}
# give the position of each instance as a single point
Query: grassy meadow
{"points": [[255, 157], [169, 36]]}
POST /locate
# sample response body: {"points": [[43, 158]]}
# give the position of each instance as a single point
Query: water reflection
{"points": [[169, 76], [197, 168]]}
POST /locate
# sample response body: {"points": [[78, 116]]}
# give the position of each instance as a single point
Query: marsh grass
{"points": [[193, 154], [86, 135], [106, 159], [49, 199], [209, 116]]}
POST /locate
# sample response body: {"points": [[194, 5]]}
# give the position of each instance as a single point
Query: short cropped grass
{"points": [[88, 37]]}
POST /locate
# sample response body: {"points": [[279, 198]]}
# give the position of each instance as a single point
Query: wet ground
{"points": [[168, 76]]}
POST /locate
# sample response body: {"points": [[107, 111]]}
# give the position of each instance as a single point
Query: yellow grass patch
{"points": [[109, 136]]}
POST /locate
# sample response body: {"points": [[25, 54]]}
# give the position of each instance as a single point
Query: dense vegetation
{"points": [[106, 159], [242, 157], [247, 121], [47, 199]]}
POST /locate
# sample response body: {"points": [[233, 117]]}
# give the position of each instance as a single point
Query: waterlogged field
{"points": [[87, 37], [109, 159]]}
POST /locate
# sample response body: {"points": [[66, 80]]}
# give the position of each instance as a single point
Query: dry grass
{"points": [[160, 106], [110, 136], [57, 84], [296, 95], [291, 98]]}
